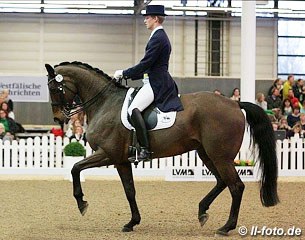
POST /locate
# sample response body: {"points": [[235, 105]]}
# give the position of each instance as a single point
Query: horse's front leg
{"points": [[98, 159], [125, 172]]}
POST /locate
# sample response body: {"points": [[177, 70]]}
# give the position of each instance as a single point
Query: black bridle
{"points": [[71, 108]]}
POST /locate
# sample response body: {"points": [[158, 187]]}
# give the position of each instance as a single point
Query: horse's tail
{"points": [[263, 135]]}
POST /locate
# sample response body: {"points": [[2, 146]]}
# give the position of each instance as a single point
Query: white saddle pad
{"points": [[165, 120]]}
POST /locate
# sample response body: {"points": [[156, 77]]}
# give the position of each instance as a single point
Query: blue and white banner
{"points": [[25, 88]]}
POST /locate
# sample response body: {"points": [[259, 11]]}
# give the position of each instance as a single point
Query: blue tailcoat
{"points": [[155, 64]]}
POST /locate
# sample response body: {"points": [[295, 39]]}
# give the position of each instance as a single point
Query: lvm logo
{"points": [[183, 172], [242, 171], [245, 172]]}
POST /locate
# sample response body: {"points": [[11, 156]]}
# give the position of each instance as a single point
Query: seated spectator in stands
{"points": [[73, 123], [288, 85], [5, 93], [296, 131], [286, 107], [69, 127], [275, 126], [235, 94], [2, 98], [298, 90], [294, 101], [4, 106], [2, 131], [283, 125], [278, 84], [9, 123], [217, 92], [274, 101], [5, 135], [260, 101], [302, 121], [293, 117], [79, 134]]}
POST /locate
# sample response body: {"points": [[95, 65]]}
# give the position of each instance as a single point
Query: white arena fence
{"points": [[44, 156]]}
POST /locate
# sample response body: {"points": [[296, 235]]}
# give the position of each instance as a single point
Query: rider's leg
{"points": [[142, 100]]}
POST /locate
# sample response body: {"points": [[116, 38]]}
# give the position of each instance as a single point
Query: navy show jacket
{"points": [[155, 64]]}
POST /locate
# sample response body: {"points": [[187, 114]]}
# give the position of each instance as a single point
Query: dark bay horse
{"points": [[211, 124]]}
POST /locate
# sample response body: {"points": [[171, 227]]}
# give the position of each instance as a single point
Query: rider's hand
{"points": [[118, 74]]}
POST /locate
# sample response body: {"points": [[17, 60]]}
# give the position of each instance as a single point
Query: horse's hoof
{"points": [[127, 229], [83, 208], [203, 218], [221, 233]]}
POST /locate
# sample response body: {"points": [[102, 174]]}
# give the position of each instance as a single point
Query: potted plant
{"points": [[74, 149], [73, 153]]}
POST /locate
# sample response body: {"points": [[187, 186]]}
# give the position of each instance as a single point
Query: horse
{"points": [[212, 125]]}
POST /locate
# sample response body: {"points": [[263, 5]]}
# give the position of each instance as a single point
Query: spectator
{"points": [[293, 117], [275, 126], [298, 90], [274, 102], [5, 94], [2, 131], [283, 125], [79, 134], [302, 123], [73, 122], [296, 131], [235, 94], [5, 107], [288, 85], [286, 107], [278, 84], [260, 101], [5, 135], [2, 98], [69, 127], [294, 101], [9, 124], [217, 92]]}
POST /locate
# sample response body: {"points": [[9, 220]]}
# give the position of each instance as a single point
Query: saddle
{"points": [[153, 117]]}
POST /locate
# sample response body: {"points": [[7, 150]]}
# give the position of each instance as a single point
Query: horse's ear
{"points": [[51, 71]]}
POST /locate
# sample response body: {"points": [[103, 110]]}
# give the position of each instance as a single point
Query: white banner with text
{"points": [[25, 88]]}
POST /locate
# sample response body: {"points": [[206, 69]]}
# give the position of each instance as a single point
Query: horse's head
{"points": [[62, 92]]}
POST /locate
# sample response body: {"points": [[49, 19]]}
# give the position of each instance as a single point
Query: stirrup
{"points": [[135, 158]]}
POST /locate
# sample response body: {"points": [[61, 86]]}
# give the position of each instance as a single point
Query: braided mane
{"points": [[97, 70]]}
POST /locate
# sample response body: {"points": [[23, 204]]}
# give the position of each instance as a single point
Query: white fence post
{"points": [[30, 151], [22, 153]]}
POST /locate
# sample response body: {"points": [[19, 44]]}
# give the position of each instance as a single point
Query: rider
{"points": [[158, 85]]}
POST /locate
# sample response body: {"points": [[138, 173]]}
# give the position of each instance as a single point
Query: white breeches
{"points": [[143, 99]]}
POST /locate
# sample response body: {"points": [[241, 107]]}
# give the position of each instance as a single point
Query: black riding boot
{"points": [[142, 136]]}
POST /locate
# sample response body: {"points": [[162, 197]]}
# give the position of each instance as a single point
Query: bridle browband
{"points": [[70, 109]]}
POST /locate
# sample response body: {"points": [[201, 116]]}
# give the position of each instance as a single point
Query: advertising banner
{"points": [[25, 88], [202, 173]]}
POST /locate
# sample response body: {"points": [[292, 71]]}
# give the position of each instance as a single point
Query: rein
{"points": [[72, 109]]}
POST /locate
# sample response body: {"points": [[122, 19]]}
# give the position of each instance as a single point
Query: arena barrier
{"points": [[44, 156]]}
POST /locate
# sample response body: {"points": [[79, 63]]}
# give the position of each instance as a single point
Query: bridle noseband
{"points": [[69, 109]]}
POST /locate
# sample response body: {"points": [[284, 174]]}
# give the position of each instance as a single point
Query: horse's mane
{"points": [[89, 67]]}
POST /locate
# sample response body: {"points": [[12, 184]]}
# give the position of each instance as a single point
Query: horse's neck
{"points": [[108, 95]]}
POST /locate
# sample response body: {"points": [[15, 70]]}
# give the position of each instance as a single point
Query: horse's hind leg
{"points": [[125, 172], [230, 177], [98, 159], [210, 197]]}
